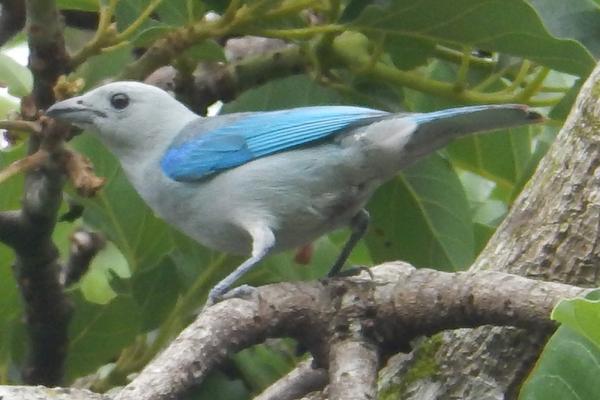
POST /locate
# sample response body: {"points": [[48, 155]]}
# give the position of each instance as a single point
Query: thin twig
{"points": [[28, 163], [33, 127], [303, 379]]}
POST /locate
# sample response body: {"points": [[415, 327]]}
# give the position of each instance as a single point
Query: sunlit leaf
{"points": [[515, 28], [15, 76]]}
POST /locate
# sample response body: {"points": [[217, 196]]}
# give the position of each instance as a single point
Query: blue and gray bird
{"points": [[255, 183]]}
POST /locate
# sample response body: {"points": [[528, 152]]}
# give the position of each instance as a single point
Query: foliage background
{"points": [[146, 285]]}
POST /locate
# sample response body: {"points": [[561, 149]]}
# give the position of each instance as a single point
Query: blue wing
{"points": [[219, 143]]}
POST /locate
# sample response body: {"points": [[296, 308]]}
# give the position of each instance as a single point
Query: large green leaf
{"points": [[512, 27], [500, 156], [568, 369], [156, 290], [581, 315], [570, 363], [12, 189], [423, 216], [573, 19], [7, 105], [118, 211], [105, 65], [263, 364], [83, 5], [294, 91], [16, 77], [98, 332]]}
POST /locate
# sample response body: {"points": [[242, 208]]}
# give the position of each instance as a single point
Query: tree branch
{"points": [[225, 81], [47, 309], [44, 393], [551, 233], [300, 381], [12, 19], [353, 370], [399, 304]]}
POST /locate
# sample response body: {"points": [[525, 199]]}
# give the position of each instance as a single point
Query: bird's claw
{"points": [[355, 270], [217, 295]]}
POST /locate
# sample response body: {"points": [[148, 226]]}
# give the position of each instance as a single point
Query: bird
{"points": [[254, 183]]}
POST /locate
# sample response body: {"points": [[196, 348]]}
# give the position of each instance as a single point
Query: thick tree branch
{"points": [[47, 309], [353, 369], [44, 393], [303, 379], [225, 81], [9, 227], [399, 304], [551, 233], [12, 19]]}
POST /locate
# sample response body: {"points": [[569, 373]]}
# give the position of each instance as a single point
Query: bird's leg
{"points": [[359, 225], [263, 241]]}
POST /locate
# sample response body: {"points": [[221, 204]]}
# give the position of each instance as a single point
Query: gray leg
{"points": [[263, 242], [359, 225]]}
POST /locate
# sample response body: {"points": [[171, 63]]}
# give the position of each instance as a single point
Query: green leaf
{"points": [[98, 332], [563, 108], [422, 216], [104, 66], [151, 34], [573, 19], [581, 315], [263, 364], [12, 189], [568, 369], [208, 50], [408, 53], [500, 156], [16, 77], [82, 5], [118, 211], [9, 301], [6, 106], [495, 25], [156, 290], [275, 95], [217, 385], [128, 11], [96, 283]]}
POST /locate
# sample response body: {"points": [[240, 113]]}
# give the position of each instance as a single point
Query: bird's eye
{"points": [[119, 101]]}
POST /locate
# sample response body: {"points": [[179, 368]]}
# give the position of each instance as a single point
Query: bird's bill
{"points": [[73, 110]]}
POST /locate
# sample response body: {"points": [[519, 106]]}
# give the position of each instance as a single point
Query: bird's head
{"points": [[125, 114]]}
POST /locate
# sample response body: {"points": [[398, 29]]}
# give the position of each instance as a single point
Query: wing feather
{"points": [[235, 140]]}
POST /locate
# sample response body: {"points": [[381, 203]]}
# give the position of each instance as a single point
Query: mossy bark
{"points": [[551, 233]]}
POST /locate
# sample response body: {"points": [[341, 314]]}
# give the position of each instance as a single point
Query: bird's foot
{"points": [[355, 270], [217, 294], [241, 292]]}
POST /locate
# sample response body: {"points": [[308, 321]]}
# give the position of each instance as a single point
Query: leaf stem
{"points": [[138, 22]]}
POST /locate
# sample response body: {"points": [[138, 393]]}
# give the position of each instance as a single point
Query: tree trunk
{"points": [[551, 233]]}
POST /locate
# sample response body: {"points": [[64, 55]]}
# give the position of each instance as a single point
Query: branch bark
{"points": [[399, 304], [47, 309], [551, 233], [303, 379], [359, 317], [12, 19], [44, 393]]}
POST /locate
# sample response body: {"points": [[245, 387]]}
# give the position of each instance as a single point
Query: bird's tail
{"points": [[435, 129]]}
